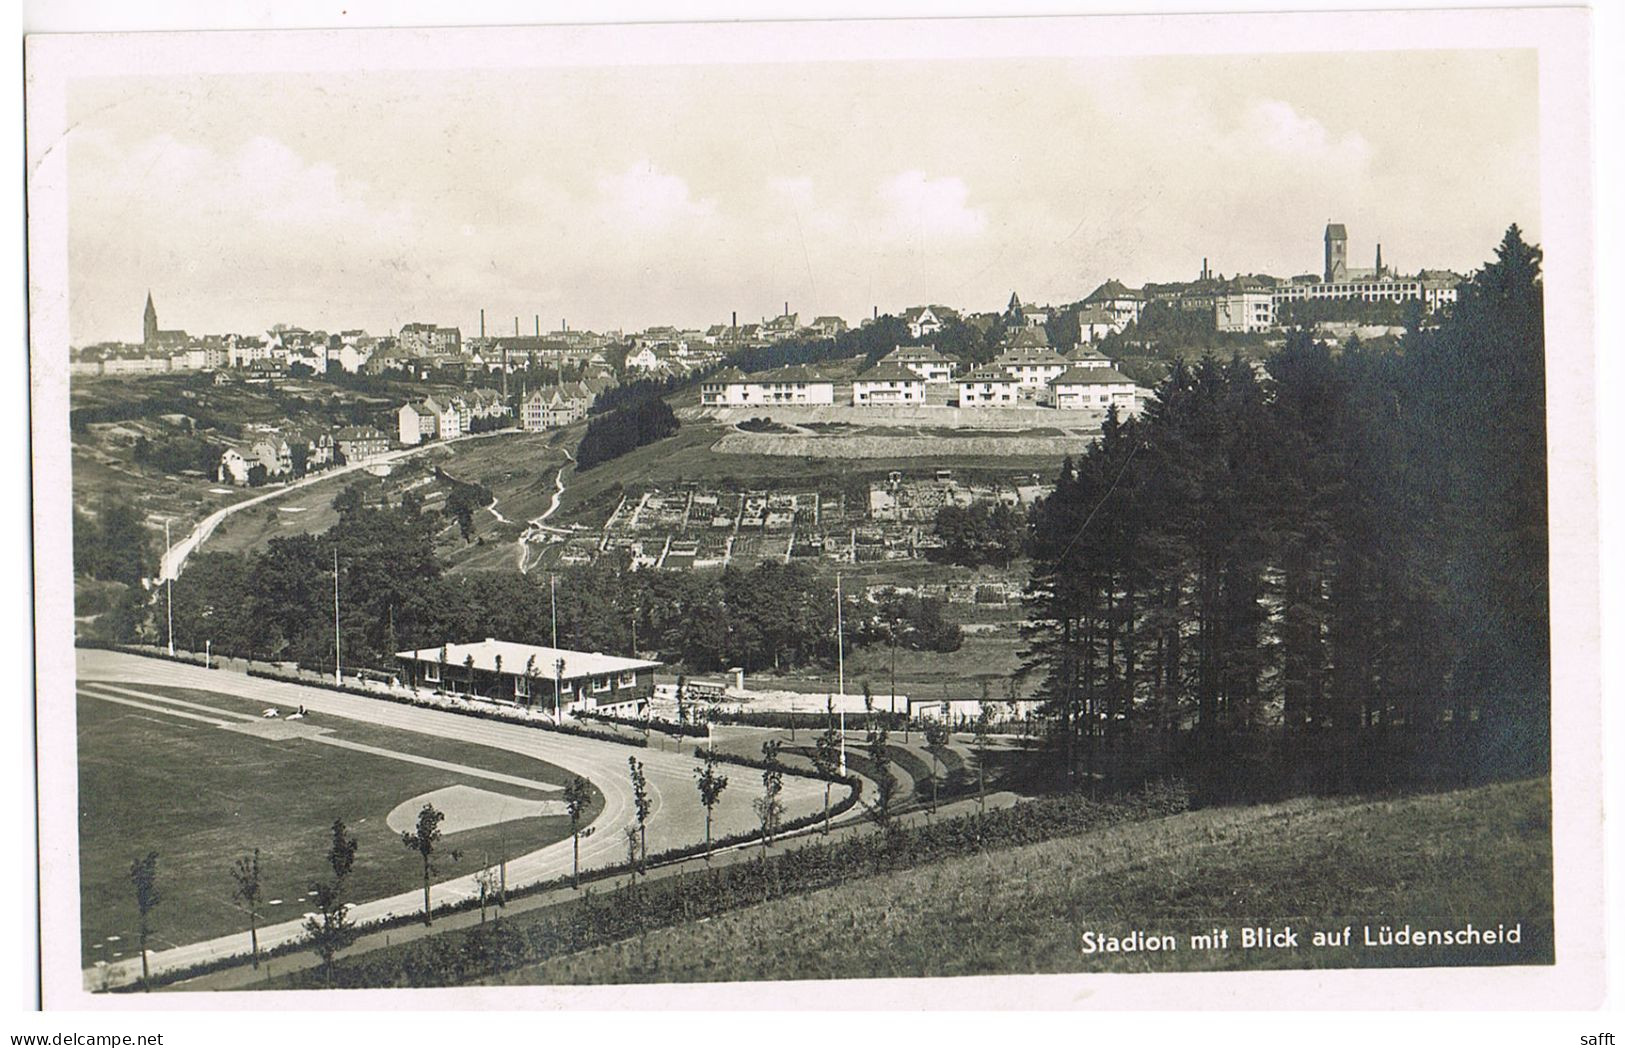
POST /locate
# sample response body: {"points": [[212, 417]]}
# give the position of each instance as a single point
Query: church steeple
{"points": [[149, 323]]}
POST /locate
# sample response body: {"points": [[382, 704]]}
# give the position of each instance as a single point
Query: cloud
{"points": [[645, 198], [1278, 128], [915, 205]]}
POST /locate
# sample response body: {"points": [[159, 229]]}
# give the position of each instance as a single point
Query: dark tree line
{"points": [[1332, 576], [614, 433], [278, 603]]}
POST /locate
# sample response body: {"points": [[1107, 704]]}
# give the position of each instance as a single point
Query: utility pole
{"points": [[894, 665], [169, 590], [553, 602], [840, 644], [558, 692], [338, 672]]}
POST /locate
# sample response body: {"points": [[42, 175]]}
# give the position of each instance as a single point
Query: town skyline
{"points": [[836, 194]]}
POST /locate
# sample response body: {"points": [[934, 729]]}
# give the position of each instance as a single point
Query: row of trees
{"points": [[1340, 570]]}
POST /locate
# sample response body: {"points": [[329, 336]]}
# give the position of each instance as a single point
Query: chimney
{"points": [[786, 307], [482, 323], [876, 309], [538, 325], [735, 324], [515, 327], [1379, 260]]}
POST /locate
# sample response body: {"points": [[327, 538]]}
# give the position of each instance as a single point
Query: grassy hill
{"points": [[1432, 861]]}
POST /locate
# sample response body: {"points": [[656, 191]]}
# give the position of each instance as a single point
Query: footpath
{"points": [[851, 824]]}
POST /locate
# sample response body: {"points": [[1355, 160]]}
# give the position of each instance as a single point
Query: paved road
{"points": [[677, 817], [173, 561]]}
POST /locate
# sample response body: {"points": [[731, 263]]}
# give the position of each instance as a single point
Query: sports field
{"points": [[201, 778]]}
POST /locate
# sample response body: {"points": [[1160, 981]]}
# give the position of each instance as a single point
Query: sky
{"points": [[619, 197]]}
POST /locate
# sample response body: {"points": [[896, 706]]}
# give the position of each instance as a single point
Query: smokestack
{"points": [[735, 324], [482, 323], [538, 325], [876, 315], [1379, 259], [786, 307], [515, 327]]}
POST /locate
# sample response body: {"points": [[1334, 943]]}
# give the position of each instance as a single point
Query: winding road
{"points": [[677, 817], [173, 561]]}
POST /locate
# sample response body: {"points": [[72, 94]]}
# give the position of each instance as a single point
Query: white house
{"points": [[924, 321], [448, 419], [888, 384], [1085, 357], [1244, 311], [1032, 366], [1095, 389], [796, 384], [924, 361], [1095, 323], [234, 464], [989, 387], [418, 423], [1124, 304]]}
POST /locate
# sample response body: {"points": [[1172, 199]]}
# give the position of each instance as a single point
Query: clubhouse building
{"points": [[531, 675]]}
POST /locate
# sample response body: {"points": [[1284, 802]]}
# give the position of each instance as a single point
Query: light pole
{"points": [[558, 692], [208, 653], [169, 591]]}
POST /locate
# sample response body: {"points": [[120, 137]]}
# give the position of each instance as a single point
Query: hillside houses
{"points": [[551, 407], [888, 384], [924, 361], [989, 387], [1031, 364], [796, 384], [1082, 387]]}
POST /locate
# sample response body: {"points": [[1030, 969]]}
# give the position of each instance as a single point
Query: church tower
{"points": [[149, 324], [1337, 253]]}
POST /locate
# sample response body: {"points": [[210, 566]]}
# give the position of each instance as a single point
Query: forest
{"points": [[1334, 576]]}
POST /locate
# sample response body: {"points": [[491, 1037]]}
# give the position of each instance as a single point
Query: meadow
{"points": [[1434, 860]]}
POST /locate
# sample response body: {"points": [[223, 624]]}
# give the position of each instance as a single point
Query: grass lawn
{"points": [[1433, 861], [201, 796]]}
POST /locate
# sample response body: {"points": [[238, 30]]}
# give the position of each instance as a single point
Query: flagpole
{"points": [[553, 602]]}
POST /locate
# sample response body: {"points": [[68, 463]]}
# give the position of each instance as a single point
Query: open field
{"points": [[201, 795], [1433, 861]]}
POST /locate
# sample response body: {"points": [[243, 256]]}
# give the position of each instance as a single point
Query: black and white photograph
{"points": [[748, 508]]}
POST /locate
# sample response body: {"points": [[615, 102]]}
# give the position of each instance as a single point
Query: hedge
{"points": [[695, 731]]}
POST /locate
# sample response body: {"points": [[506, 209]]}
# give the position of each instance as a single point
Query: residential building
{"points": [[989, 387], [552, 407], [1244, 311], [1095, 389], [360, 443], [1123, 304], [796, 384], [448, 420], [1095, 323], [532, 675], [924, 361], [828, 327], [430, 340], [235, 462], [1032, 366], [888, 384], [925, 321], [418, 422], [1087, 357]]}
